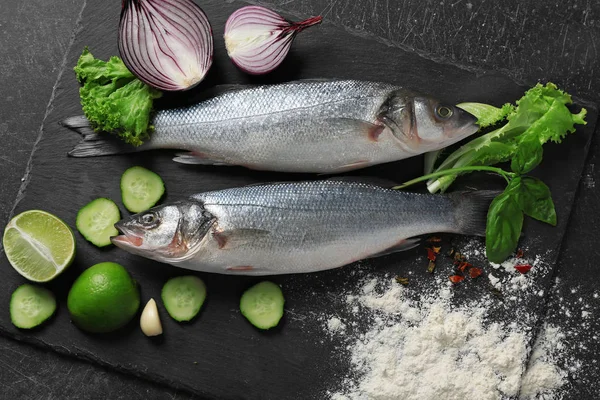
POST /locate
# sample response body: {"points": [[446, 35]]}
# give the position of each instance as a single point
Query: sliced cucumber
{"points": [[183, 297], [96, 220], [141, 189], [262, 305], [31, 305]]}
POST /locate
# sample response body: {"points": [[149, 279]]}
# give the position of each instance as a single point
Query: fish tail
{"points": [[94, 144], [470, 212]]}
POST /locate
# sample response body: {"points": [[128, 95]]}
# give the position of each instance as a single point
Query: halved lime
{"points": [[38, 245]]}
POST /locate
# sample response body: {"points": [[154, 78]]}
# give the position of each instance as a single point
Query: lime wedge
{"points": [[38, 245]]}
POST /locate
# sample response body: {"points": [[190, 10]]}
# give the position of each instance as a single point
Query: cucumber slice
{"points": [[183, 297], [96, 220], [262, 305], [31, 305], [141, 189]]}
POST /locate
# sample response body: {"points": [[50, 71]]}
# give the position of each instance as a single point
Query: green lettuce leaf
{"points": [[541, 115], [527, 156], [113, 99], [486, 114]]}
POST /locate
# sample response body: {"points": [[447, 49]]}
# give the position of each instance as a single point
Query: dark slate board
{"points": [[220, 355]]}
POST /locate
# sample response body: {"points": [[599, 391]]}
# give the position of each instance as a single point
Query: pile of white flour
{"points": [[423, 348]]}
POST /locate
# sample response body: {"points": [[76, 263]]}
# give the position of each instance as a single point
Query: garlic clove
{"points": [[150, 320]]}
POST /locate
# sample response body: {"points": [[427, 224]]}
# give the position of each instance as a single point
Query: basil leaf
{"points": [[513, 187], [535, 200], [504, 224], [527, 156]]}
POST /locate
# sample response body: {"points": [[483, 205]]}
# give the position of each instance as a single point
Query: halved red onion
{"points": [[167, 44], [258, 39]]}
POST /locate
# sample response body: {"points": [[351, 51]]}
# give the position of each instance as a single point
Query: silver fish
{"points": [[302, 126], [295, 227]]}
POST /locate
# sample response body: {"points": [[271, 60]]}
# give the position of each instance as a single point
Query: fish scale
{"points": [[324, 126], [297, 227], [278, 98], [277, 126]]}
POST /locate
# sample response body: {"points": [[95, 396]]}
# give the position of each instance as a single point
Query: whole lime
{"points": [[103, 298]]}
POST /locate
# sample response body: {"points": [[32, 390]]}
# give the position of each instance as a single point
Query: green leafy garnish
{"points": [[527, 156], [534, 198], [113, 99], [541, 115], [503, 228], [524, 195], [488, 115]]}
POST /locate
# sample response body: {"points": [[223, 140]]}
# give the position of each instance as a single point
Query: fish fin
{"points": [[234, 87], [369, 180], [350, 166], [240, 268], [94, 143], [315, 80], [275, 183], [76, 122], [403, 245], [227, 88], [471, 208], [236, 237], [196, 158], [369, 130], [374, 132]]}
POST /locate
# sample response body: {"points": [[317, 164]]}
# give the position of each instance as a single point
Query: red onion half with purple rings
{"points": [[167, 44], [258, 39]]}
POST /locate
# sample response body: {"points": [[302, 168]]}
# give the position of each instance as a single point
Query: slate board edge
{"points": [[94, 359], [537, 328]]}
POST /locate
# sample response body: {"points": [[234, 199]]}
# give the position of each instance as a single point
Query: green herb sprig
{"points": [[541, 115]]}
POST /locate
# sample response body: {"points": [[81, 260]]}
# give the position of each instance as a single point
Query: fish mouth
{"points": [[467, 125], [126, 241], [469, 120], [128, 237]]}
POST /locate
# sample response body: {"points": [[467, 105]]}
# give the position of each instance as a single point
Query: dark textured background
{"points": [[528, 41]]}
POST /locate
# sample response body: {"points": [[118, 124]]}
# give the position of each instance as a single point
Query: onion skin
{"points": [[258, 39], [167, 44]]}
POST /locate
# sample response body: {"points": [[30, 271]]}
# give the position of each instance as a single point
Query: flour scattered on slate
{"points": [[543, 375], [335, 325], [576, 311], [411, 343]]}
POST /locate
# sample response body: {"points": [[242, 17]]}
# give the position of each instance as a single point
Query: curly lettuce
{"points": [[541, 115], [113, 99]]}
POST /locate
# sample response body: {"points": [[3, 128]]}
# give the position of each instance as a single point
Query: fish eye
{"points": [[149, 218], [443, 112]]}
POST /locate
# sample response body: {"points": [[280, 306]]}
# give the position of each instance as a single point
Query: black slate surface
{"points": [[31, 61], [137, 389], [528, 41]]}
